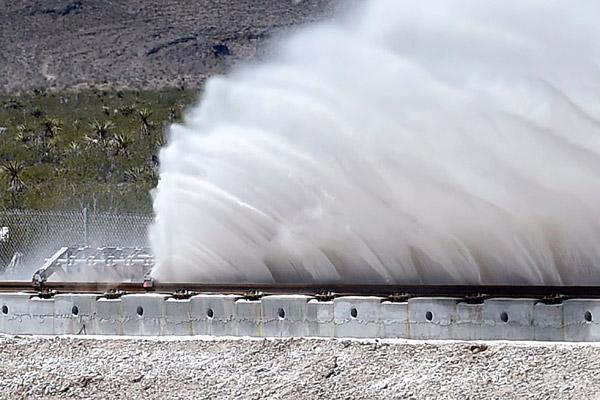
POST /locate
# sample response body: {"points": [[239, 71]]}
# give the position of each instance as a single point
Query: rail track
{"points": [[397, 292]]}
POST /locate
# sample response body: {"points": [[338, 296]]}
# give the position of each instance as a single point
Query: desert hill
{"points": [[138, 43]]}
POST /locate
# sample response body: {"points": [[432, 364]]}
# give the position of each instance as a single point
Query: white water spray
{"points": [[418, 142]]}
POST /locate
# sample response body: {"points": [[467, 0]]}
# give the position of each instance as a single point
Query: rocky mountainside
{"points": [[138, 43]]}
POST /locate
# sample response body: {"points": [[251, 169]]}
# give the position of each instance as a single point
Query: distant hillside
{"points": [[137, 43]]}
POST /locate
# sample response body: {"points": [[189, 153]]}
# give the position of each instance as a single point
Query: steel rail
{"points": [[400, 291]]}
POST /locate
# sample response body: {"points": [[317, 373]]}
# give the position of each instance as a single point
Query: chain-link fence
{"points": [[27, 237]]}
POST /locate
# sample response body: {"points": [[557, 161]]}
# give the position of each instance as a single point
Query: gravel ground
{"points": [[115, 368]]}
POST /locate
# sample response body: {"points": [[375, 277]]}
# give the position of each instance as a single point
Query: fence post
{"points": [[85, 225]]}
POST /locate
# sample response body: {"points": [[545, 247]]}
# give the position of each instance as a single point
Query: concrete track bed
{"points": [[301, 316]]}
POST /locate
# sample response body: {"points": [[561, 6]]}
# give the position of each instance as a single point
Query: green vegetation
{"points": [[97, 148]]}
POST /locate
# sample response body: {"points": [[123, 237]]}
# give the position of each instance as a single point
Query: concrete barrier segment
{"points": [[320, 318], [15, 317], [432, 317], [178, 317], [248, 318], [214, 314], [394, 320], [508, 318], [143, 314], [109, 317], [285, 316], [582, 320], [74, 314], [358, 316], [548, 321]]}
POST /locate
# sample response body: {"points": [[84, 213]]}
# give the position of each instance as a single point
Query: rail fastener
{"points": [[112, 294], [182, 294], [553, 298], [252, 294], [399, 297], [46, 293], [475, 298], [325, 295]]}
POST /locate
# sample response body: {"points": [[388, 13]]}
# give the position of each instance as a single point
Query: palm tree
{"points": [[121, 143], [51, 127], [74, 147], [24, 133], [136, 174], [14, 169], [13, 103], [37, 112], [160, 142], [126, 110], [101, 129], [172, 113], [144, 115]]}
